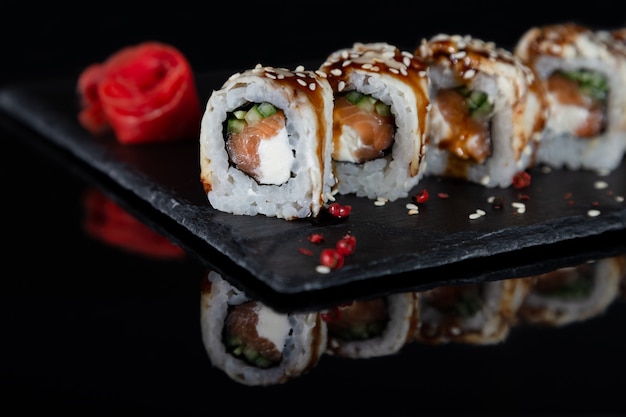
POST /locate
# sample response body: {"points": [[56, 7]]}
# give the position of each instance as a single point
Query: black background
{"points": [[89, 329]]}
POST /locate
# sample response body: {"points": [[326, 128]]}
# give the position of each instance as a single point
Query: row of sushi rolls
{"points": [[373, 120]]}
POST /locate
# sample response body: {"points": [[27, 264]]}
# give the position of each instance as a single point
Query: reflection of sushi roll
{"points": [[381, 103], [374, 327], [584, 73], [617, 37], [622, 282], [253, 344], [265, 143], [573, 294], [481, 313], [487, 111]]}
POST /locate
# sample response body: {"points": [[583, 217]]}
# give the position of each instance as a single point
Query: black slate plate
{"points": [[395, 251]]}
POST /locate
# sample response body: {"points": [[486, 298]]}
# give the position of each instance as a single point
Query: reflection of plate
{"points": [[395, 251]]}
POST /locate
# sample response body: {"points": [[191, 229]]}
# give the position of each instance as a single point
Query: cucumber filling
{"points": [[591, 83], [240, 118], [235, 346]]}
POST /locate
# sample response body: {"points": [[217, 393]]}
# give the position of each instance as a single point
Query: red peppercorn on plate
{"points": [[444, 232]]}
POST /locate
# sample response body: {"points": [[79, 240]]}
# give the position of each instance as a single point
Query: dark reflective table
{"points": [[93, 329]]}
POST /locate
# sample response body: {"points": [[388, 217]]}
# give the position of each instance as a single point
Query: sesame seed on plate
{"points": [[519, 207], [322, 269], [593, 213], [600, 185]]}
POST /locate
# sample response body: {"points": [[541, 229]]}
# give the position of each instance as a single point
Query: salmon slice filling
{"points": [[256, 334], [361, 320], [462, 123], [260, 148], [363, 128], [578, 103]]}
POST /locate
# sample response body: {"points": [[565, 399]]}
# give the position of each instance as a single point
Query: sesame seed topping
{"points": [[301, 82], [470, 73], [312, 86], [300, 68], [458, 55], [336, 72]]}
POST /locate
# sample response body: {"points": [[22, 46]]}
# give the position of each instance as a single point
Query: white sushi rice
{"points": [[309, 129]]}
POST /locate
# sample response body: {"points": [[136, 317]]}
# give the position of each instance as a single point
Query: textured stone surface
{"points": [[395, 251]]}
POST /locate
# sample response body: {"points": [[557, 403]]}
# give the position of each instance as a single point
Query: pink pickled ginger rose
{"points": [[143, 93]]}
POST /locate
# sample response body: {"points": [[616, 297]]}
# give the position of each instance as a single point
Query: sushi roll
{"points": [[265, 143], [584, 73], [488, 110], [253, 344], [372, 327], [379, 119], [478, 314], [573, 294]]}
